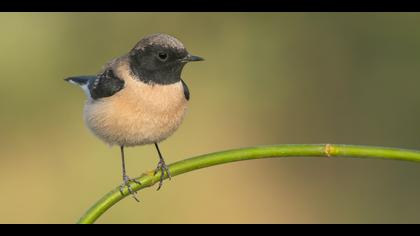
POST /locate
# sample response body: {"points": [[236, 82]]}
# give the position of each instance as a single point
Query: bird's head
{"points": [[159, 58]]}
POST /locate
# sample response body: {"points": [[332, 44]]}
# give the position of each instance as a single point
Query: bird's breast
{"points": [[138, 114]]}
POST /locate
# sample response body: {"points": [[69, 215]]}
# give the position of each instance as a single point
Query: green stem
{"points": [[315, 150]]}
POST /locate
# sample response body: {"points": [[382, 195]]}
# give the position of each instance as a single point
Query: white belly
{"points": [[138, 114]]}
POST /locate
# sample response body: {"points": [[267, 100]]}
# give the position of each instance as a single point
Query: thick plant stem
{"points": [[217, 158]]}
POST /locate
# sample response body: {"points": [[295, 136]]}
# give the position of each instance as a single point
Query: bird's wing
{"points": [[106, 84], [186, 90], [102, 85]]}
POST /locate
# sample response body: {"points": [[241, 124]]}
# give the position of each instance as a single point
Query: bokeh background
{"points": [[268, 78]]}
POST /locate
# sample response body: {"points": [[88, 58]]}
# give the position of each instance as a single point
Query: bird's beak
{"points": [[190, 58]]}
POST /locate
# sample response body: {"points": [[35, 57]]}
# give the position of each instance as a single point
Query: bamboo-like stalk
{"points": [[217, 158]]}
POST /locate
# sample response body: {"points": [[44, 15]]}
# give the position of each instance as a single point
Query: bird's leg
{"points": [[162, 167], [126, 179]]}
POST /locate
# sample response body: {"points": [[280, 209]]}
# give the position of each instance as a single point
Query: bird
{"points": [[138, 98]]}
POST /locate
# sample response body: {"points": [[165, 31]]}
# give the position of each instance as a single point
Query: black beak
{"points": [[191, 58]]}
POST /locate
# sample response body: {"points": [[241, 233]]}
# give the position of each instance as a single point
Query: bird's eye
{"points": [[163, 56]]}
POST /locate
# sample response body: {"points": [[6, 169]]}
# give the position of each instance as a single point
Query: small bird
{"points": [[138, 98]]}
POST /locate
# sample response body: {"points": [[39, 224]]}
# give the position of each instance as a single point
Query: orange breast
{"points": [[138, 114]]}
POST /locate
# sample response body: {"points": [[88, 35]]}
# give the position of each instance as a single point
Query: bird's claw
{"points": [[126, 183], [163, 168]]}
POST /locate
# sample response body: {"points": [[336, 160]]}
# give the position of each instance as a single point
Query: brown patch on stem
{"points": [[328, 150]]}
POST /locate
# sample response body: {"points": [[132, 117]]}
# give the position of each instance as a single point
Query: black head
{"points": [[159, 58]]}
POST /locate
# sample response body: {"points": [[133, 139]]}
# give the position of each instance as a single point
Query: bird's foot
{"points": [[163, 168], [126, 183]]}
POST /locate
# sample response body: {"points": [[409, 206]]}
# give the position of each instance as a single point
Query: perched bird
{"points": [[138, 98]]}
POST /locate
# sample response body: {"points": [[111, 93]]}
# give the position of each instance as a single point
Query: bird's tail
{"points": [[82, 81]]}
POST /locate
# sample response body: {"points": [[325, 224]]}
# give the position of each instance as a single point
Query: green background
{"points": [[268, 78]]}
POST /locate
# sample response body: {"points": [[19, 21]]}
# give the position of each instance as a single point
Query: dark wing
{"points": [[186, 90], [105, 85]]}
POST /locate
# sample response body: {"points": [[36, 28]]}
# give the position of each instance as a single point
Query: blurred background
{"points": [[268, 78]]}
